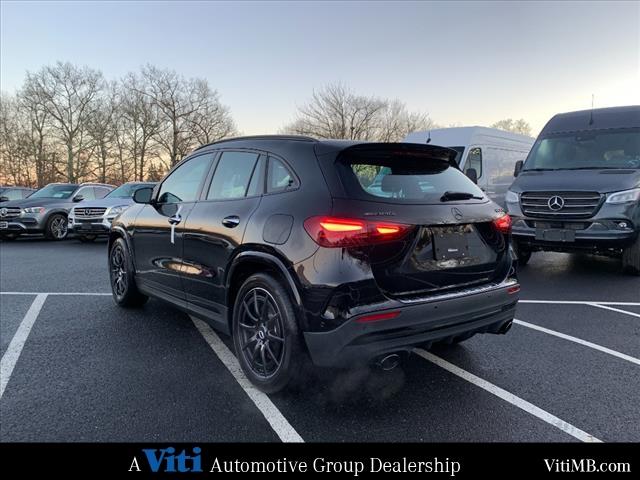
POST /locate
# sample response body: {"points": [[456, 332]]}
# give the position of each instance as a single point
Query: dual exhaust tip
{"points": [[392, 360]]}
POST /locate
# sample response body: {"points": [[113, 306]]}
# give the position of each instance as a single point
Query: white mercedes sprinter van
{"points": [[487, 155]]}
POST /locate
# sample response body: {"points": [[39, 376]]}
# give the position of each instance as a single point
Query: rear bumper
{"points": [[420, 322]]}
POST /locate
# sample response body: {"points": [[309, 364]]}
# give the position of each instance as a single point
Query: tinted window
{"points": [[474, 160], [183, 183], [256, 186], [127, 190], [403, 179], [279, 177], [232, 176], [87, 193]]}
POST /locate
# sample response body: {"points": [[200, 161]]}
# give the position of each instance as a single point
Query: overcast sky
{"points": [[471, 63]]}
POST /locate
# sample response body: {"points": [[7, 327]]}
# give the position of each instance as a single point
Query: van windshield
{"points": [[599, 149]]}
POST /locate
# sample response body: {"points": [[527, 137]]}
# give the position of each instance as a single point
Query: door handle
{"points": [[231, 221], [176, 219]]}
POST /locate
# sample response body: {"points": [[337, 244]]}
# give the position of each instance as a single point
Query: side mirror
{"points": [[78, 198], [4, 199], [143, 195], [518, 168], [472, 174]]}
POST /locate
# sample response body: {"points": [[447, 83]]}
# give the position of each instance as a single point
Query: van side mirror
{"points": [[78, 198], [472, 173], [143, 195], [518, 168]]}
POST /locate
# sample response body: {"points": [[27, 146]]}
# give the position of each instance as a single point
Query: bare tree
{"points": [[515, 126], [178, 100], [14, 165], [67, 93], [144, 119], [396, 122], [336, 112], [213, 120], [100, 129]]}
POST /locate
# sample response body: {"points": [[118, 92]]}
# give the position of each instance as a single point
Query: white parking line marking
{"points": [[576, 302], [10, 357], [595, 346], [615, 309], [278, 422], [90, 294], [509, 397]]}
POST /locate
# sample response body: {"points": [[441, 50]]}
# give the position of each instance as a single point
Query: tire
{"points": [[523, 254], [123, 283], [9, 237], [56, 227], [266, 336], [87, 238], [631, 258]]}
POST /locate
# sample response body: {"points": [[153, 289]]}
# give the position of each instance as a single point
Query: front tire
{"points": [[265, 333], [123, 283], [56, 227], [631, 258]]}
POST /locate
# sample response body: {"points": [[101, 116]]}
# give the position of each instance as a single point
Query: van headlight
{"points": [[625, 196], [511, 197], [113, 211]]}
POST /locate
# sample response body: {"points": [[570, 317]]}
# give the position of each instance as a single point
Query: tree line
{"points": [[68, 123]]}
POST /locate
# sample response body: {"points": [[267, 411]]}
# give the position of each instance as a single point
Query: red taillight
{"points": [[376, 317], [503, 224], [514, 289], [351, 232]]}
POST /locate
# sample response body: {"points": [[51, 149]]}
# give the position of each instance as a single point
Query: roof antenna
{"points": [[429, 136], [591, 115]]}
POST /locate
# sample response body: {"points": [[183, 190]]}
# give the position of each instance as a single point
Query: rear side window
{"points": [[101, 192], [279, 177], [232, 176], [402, 178]]}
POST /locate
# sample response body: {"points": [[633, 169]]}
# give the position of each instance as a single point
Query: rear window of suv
{"points": [[402, 178]]}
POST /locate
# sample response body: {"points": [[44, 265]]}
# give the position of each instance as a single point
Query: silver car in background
{"points": [[90, 219]]}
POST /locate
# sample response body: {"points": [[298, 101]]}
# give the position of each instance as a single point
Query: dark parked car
{"points": [[281, 242], [579, 189], [90, 219], [14, 193], [45, 211]]}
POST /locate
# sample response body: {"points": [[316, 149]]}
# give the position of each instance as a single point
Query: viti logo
{"points": [[166, 460]]}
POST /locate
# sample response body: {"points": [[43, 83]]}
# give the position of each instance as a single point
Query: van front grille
{"points": [[560, 204]]}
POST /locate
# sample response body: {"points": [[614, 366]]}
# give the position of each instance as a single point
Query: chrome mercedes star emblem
{"points": [[457, 214], [556, 203], [3, 212]]}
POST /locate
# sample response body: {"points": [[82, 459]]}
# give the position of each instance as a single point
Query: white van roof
{"points": [[465, 136]]}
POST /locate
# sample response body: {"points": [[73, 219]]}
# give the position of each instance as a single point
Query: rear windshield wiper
{"points": [[451, 196]]}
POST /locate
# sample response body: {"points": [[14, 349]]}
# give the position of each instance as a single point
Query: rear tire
{"points": [[123, 283], [524, 255], [265, 334], [631, 258], [87, 238], [56, 227]]}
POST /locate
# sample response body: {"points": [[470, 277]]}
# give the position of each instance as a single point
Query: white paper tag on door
{"points": [[173, 225]]}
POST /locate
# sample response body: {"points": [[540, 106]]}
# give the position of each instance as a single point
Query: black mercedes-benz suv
{"points": [[579, 188], [347, 252]]}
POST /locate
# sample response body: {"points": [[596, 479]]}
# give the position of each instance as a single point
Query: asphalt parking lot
{"points": [[77, 368]]}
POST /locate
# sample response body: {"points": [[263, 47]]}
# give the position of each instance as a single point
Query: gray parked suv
{"points": [[92, 218], [45, 211]]}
